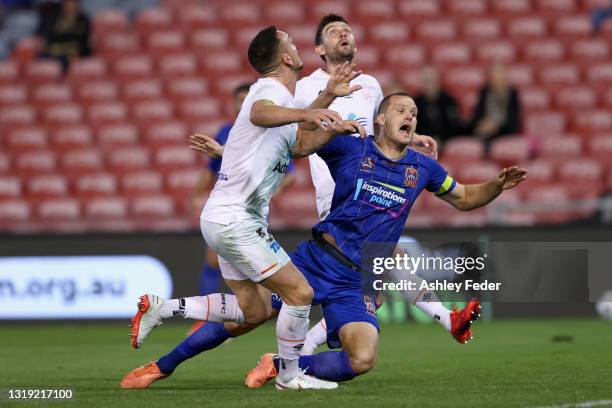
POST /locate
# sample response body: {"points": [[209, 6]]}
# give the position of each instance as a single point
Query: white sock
{"points": [[425, 300], [217, 307], [291, 329], [316, 336]]}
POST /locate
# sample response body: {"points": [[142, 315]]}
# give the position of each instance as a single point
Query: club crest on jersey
{"points": [[411, 177], [370, 305], [367, 164]]}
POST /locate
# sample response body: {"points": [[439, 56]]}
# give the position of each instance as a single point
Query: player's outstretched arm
{"points": [[266, 114], [206, 144], [310, 141], [471, 196]]}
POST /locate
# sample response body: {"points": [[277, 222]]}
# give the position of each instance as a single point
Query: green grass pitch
{"points": [[511, 363]]}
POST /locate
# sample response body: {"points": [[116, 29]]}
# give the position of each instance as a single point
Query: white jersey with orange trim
{"points": [[361, 106], [255, 160]]}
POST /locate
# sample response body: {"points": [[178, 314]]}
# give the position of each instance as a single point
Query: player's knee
{"points": [[362, 361], [255, 317], [300, 296]]}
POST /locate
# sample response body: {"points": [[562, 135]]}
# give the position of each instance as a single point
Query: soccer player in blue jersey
{"points": [[377, 182]]}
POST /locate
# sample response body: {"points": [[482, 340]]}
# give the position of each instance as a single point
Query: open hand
{"points": [[205, 144], [511, 177], [339, 83]]}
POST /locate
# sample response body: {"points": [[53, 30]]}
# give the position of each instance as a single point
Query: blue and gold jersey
{"points": [[373, 194]]}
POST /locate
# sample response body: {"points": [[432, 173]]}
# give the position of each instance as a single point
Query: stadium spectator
{"points": [[438, 110], [498, 110], [66, 31]]}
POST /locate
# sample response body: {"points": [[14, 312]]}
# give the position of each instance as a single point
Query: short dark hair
{"points": [[243, 87], [330, 18], [264, 49], [384, 104]]}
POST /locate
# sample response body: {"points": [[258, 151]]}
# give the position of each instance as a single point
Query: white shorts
{"points": [[246, 249]]}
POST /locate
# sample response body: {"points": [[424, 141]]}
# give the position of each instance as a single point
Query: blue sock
{"points": [[328, 365], [205, 338], [210, 278]]}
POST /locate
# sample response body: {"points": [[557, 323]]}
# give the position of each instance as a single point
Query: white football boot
{"points": [[146, 319], [305, 382]]}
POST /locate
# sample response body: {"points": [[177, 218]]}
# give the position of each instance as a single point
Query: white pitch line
{"points": [[586, 404]]}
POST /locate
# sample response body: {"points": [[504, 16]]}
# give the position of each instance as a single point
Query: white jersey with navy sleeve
{"points": [[361, 106], [255, 159]]}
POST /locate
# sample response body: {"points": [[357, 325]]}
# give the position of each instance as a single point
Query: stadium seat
{"points": [[10, 186], [16, 115], [319, 8], [5, 163], [9, 72], [561, 148], [47, 185], [559, 74], [13, 94], [575, 98], [463, 149], [550, 204], [418, 9], [80, 161], [466, 77], [520, 74], [141, 182], [109, 20], [533, 98], [290, 12], [477, 172], [71, 137], [42, 71], [302, 36], [27, 49], [542, 51], [451, 54], [133, 67], [35, 162], [600, 148], [51, 94], [128, 158], [147, 112], [182, 89], [117, 135], [97, 90], [240, 13], [197, 109], [435, 30], [369, 12], [14, 209], [556, 6], [176, 65], [510, 150], [222, 62], [175, 157], [207, 40], [402, 56], [545, 124], [599, 74], [595, 49], [141, 90], [573, 27], [165, 42], [368, 57], [116, 45], [521, 28], [208, 127], [25, 138], [152, 206], [105, 113], [181, 184], [195, 16], [480, 29], [498, 51], [581, 170], [225, 85], [510, 7], [466, 8], [63, 208], [95, 185], [387, 32], [167, 133], [63, 114], [540, 172], [592, 121], [153, 20], [106, 207]]}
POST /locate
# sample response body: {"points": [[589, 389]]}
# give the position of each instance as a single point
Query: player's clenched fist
{"points": [[511, 177]]}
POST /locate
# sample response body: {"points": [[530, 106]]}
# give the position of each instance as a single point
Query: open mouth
{"points": [[344, 44], [405, 129]]}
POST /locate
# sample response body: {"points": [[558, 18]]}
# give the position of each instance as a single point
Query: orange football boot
{"points": [[143, 376], [262, 373], [461, 320]]}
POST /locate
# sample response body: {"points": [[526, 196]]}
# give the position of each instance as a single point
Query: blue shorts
{"points": [[337, 288]]}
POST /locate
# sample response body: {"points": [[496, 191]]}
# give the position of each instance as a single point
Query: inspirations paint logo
{"points": [[379, 195]]}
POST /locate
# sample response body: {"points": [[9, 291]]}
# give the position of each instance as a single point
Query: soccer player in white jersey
{"points": [[234, 220]]}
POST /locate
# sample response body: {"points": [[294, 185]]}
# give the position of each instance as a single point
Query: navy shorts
{"points": [[337, 288]]}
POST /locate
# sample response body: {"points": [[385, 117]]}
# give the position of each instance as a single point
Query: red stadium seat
{"points": [[196, 16], [582, 178], [175, 65], [462, 8], [545, 124], [181, 89], [208, 127], [509, 7], [606, 99], [540, 172], [595, 49], [156, 206], [520, 74], [106, 207], [35, 162], [117, 45], [10, 186], [9, 72], [477, 172], [556, 6], [593, 121], [370, 12], [165, 42], [59, 209], [109, 20], [464, 149], [522, 28], [14, 209], [198, 109], [561, 148], [222, 62], [175, 157], [46, 186], [26, 138], [499, 51], [510, 150], [533, 98], [575, 98], [96, 91], [208, 40], [388, 32], [566, 74], [573, 26], [13, 94], [419, 9], [133, 67], [451, 54], [5, 163], [168, 133], [64, 114], [481, 29], [96, 185], [225, 85], [600, 74], [42, 71], [27, 49], [141, 90], [105, 113], [401, 56], [600, 148], [148, 112], [51, 94], [293, 12], [71, 137], [17, 115], [302, 35], [322, 7], [539, 51], [368, 57], [153, 20], [460, 78], [182, 182], [551, 203], [115, 135], [141, 182], [433, 31], [79, 161], [238, 14], [129, 158]]}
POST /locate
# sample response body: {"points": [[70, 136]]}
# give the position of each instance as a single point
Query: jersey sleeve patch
{"points": [[447, 186]]}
